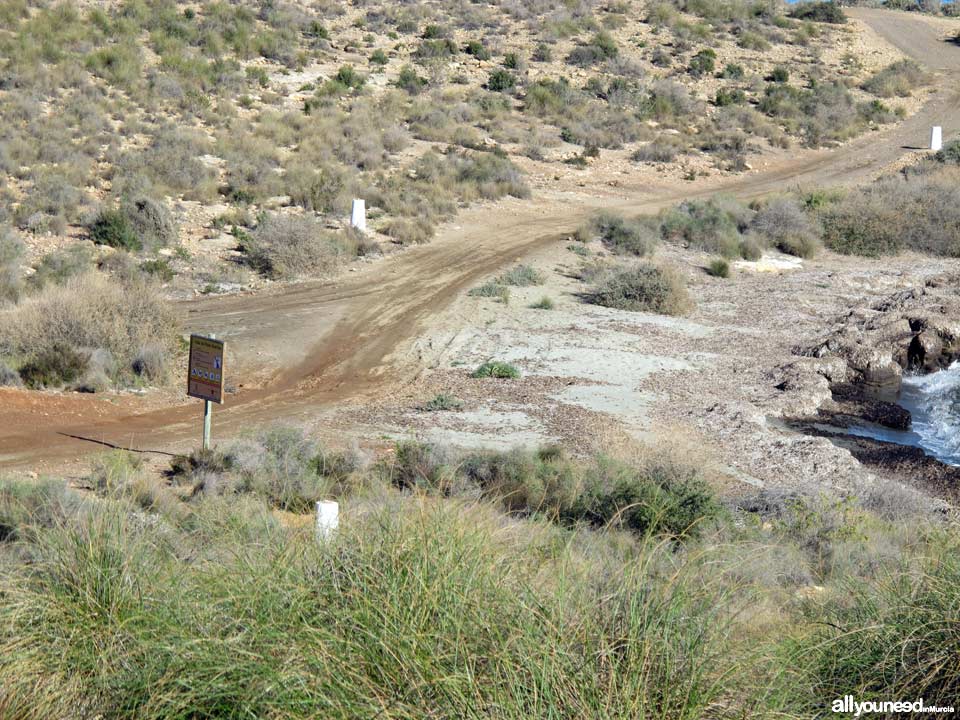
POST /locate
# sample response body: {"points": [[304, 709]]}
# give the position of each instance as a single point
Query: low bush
{"points": [[30, 506], [917, 210], [897, 80], [496, 369], [501, 81], [442, 402], [11, 276], [113, 228], [54, 366], [152, 222], [89, 311], [703, 63], [492, 289], [522, 276], [785, 225], [825, 11], [658, 151], [719, 267], [622, 236], [713, 225], [409, 231], [544, 303], [644, 288], [289, 246], [61, 265]]}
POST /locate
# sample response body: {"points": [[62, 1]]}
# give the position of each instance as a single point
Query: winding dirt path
{"points": [[341, 341]]}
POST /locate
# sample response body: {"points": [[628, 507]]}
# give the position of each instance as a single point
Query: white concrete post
{"points": [[936, 139], [328, 518], [358, 215]]}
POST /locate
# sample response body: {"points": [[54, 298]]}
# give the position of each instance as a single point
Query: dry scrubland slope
{"points": [[208, 145]]}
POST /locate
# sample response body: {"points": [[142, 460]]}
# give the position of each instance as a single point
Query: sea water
{"points": [[934, 404]]}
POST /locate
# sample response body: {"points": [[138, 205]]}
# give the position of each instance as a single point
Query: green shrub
{"points": [[159, 268], [152, 222], [379, 57], [703, 63], [409, 80], [61, 265], [713, 225], [501, 81], [477, 49], [644, 288], [726, 97], [113, 228], [662, 494], [897, 80], [544, 303], [496, 369], [950, 153], [719, 267], [825, 12], [622, 236], [733, 71], [54, 366]]}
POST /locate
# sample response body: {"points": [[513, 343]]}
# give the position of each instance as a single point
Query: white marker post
{"points": [[936, 139], [358, 215], [328, 518]]}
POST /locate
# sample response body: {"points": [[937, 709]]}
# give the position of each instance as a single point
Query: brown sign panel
{"points": [[205, 371]]}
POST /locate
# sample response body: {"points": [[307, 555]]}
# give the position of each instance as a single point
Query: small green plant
{"points": [[522, 276], [477, 49], [492, 289], [703, 63], [719, 267], [780, 74], [496, 369], [112, 227], [378, 57], [442, 402], [544, 303]]}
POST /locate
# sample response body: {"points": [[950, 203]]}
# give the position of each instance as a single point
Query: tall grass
{"points": [[415, 609]]}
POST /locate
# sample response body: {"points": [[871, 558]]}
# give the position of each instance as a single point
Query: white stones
{"points": [[328, 518], [358, 215], [936, 139]]}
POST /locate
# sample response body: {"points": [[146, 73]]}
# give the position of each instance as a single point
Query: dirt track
{"points": [[336, 342]]}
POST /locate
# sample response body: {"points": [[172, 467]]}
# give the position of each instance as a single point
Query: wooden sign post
{"points": [[205, 377]]}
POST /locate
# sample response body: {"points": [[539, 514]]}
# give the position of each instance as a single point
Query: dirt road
{"points": [[334, 342]]}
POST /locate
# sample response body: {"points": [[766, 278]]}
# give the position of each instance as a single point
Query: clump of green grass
{"points": [[492, 289], [719, 267], [544, 303], [496, 369], [522, 276], [442, 402]]}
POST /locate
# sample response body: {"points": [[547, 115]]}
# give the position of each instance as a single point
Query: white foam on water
{"points": [[934, 402]]}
